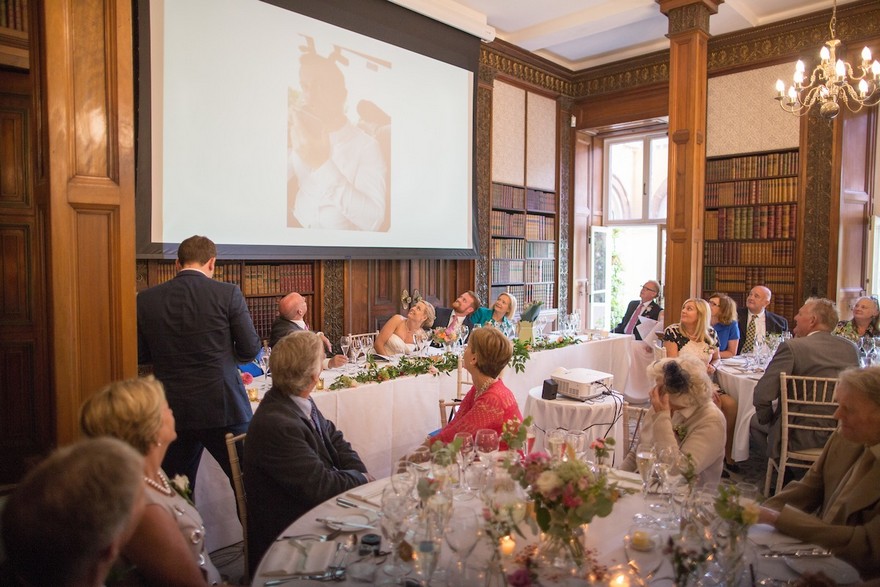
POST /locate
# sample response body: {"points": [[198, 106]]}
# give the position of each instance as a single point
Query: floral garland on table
{"points": [[434, 365], [522, 349]]}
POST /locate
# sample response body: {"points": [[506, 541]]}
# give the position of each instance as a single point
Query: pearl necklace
{"points": [[163, 488]]}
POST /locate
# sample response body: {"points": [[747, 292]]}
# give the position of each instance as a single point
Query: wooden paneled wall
{"points": [[90, 123]]}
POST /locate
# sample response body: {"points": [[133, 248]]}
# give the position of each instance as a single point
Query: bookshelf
{"points": [[14, 25], [523, 248], [263, 285], [751, 226]]}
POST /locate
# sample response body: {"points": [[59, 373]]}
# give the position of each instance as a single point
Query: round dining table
{"points": [[605, 540]]}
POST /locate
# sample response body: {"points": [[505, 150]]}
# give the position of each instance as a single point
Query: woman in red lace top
{"points": [[488, 404]]}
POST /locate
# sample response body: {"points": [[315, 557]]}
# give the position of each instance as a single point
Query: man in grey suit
{"points": [[814, 352], [195, 331]]}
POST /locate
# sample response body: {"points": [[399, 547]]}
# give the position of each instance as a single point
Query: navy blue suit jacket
{"points": [[196, 331], [287, 471], [774, 323], [652, 312]]}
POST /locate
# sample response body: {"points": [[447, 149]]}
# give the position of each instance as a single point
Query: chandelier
{"points": [[832, 82]]}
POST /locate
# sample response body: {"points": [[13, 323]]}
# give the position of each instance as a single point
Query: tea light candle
{"points": [[506, 545], [619, 580]]}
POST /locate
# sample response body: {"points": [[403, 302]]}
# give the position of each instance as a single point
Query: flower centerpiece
{"points": [[602, 448], [445, 336], [567, 494]]}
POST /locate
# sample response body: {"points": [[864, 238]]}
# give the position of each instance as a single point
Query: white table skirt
{"points": [[384, 421], [596, 417], [741, 387]]}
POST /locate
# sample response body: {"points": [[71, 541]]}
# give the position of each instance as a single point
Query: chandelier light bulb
{"points": [[792, 94], [798, 78], [780, 87], [875, 69], [863, 88], [866, 55], [824, 53], [799, 67], [840, 70]]}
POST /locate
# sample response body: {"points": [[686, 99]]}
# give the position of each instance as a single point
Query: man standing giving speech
{"points": [[195, 331]]}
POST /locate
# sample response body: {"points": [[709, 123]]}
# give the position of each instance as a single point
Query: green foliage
{"points": [[434, 365]]}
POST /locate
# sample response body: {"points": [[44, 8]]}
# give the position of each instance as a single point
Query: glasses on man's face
{"points": [[649, 289]]}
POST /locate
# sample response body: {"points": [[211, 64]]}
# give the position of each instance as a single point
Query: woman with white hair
{"points": [[500, 315], [682, 416]]}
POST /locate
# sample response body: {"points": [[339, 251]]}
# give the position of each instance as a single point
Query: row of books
{"points": [[538, 292], [263, 313], [506, 271], [540, 250], [540, 201], [163, 271], [731, 280], [779, 221], [14, 14], [752, 166], [277, 279], [505, 224], [739, 253], [508, 196], [540, 270], [508, 249], [754, 191], [783, 304], [540, 227]]}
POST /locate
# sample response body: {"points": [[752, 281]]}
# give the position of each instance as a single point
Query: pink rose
{"points": [[247, 378]]}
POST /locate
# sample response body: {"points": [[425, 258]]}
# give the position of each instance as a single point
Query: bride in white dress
{"points": [[399, 330]]}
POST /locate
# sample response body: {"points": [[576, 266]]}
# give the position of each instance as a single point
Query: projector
{"points": [[582, 384]]}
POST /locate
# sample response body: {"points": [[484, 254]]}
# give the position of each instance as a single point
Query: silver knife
{"points": [[342, 524], [812, 553], [347, 503]]}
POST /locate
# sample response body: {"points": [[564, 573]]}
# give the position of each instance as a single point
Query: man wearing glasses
{"points": [[645, 306]]}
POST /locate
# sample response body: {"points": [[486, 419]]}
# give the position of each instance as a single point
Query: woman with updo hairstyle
{"points": [[401, 331], [489, 403], [682, 416], [168, 545]]}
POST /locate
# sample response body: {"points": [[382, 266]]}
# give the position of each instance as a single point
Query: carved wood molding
{"points": [[333, 299], [511, 61], [817, 203], [484, 184], [689, 18], [566, 155]]}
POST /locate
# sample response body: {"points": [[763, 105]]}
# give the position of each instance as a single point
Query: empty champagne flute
{"points": [[393, 516], [465, 457], [345, 344]]}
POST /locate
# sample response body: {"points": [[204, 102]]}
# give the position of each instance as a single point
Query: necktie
{"points": [[454, 322], [630, 326], [847, 485], [749, 344], [316, 423]]}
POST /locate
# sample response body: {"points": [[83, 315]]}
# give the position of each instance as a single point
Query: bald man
{"points": [[765, 320], [291, 318]]}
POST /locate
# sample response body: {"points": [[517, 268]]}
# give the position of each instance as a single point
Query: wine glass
{"points": [[465, 457], [462, 533], [463, 335], [345, 344], [395, 510], [428, 543], [645, 462], [357, 346], [576, 440], [554, 442], [487, 442]]}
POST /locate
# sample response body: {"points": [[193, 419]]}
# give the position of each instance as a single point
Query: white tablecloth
{"points": [[598, 418], [384, 421], [741, 387], [605, 536]]}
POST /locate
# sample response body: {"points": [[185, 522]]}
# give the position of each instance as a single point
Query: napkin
{"points": [[294, 557], [766, 535], [625, 479], [369, 494]]}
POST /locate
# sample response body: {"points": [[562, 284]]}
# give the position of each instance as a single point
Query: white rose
{"points": [[547, 482]]}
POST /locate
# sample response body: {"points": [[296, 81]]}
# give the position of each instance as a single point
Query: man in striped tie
{"points": [[646, 306], [756, 321]]}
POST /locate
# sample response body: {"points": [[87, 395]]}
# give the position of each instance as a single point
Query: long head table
{"points": [[384, 421]]}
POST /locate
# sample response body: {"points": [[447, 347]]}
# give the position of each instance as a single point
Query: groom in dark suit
{"points": [[646, 306], [462, 308], [294, 458], [195, 331]]}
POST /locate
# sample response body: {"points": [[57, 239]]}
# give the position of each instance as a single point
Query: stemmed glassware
{"points": [[577, 441], [396, 508], [345, 344], [356, 349], [465, 457], [487, 443], [462, 533], [554, 443]]}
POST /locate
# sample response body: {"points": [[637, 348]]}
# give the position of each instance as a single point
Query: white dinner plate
{"points": [[835, 568], [352, 521], [648, 558]]}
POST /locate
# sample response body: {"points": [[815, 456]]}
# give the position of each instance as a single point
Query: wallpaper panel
{"points": [[508, 133], [541, 143], [743, 116]]}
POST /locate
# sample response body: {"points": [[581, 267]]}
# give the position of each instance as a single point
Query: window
{"points": [[635, 179]]}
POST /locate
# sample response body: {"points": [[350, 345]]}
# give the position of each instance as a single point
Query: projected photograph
{"points": [[339, 142]]}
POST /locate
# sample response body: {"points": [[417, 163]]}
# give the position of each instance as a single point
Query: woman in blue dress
{"points": [[725, 325]]}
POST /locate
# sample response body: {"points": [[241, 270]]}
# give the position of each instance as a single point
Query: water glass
{"points": [[487, 443], [554, 443]]}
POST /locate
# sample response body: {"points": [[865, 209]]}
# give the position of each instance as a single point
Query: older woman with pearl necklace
{"points": [[168, 545]]}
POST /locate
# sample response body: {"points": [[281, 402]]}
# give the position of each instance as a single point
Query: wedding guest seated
{"points": [[724, 322], [294, 458], [168, 544], [646, 306], [71, 516], [401, 331], [460, 313], [694, 336], [683, 417], [291, 318], [756, 320], [866, 315], [837, 503], [489, 403], [500, 315]]}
